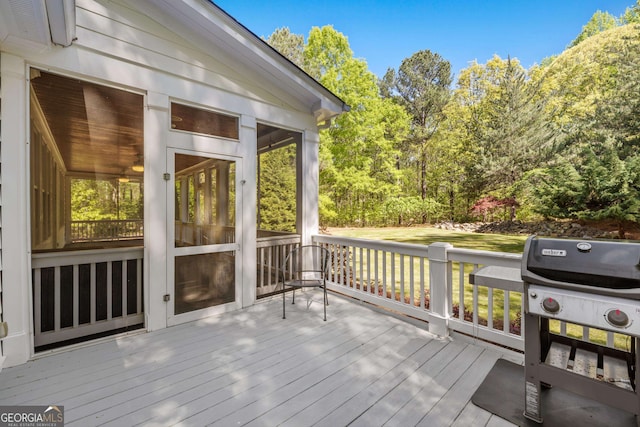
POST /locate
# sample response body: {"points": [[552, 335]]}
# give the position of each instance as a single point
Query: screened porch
{"points": [[87, 205]]}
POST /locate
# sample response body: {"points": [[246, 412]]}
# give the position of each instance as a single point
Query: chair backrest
{"points": [[308, 261]]}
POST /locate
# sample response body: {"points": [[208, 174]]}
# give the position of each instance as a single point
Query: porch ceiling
{"points": [[97, 129]]}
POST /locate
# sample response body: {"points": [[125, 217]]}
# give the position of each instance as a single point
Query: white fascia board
{"points": [[61, 15], [224, 32]]}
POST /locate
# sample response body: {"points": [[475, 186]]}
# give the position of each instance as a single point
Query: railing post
{"points": [[439, 271]]}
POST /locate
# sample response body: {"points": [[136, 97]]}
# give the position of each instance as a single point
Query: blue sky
{"points": [[383, 33]]}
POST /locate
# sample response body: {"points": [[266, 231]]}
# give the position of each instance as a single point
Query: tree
{"points": [[422, 86], [278, 189], [599, 22], [358, 151], [290, 45], [500, 118], [631, 15], [518, 131], [597, 168]]}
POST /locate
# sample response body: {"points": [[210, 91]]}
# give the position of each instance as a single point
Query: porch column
{"points": [[155, 210], [16, 277], [307, 176], [246, 219]]}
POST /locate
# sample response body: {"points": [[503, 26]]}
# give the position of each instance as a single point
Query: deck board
{"points": [[251, 367]]}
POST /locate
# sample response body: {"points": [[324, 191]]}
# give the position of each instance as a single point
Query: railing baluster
{"points": [[376, 271], [109, 290], [411, 281], [76, 295], [461, 287], [610, 339], [56, 299], [92, 287], [360, 269], [423, 295], [139, 285], [506, 312], [490, 308], [125, 288], [384, 273], [37, 301], [392, 257]]}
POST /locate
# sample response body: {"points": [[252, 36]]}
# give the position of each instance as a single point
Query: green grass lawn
{"points": [[468, 240], [426, 236]]}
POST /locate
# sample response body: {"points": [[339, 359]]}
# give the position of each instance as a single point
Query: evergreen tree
{"points": [[518, 134], [290, 45], [422, 86], [599, 22]]}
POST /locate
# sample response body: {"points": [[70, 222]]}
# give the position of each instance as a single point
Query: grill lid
{"points": [[602, 266]]}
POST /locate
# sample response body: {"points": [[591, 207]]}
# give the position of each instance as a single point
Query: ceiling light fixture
{"points": [[138, 166]]}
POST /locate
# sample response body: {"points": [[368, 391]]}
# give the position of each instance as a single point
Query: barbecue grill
{"points": [[592, 283]]}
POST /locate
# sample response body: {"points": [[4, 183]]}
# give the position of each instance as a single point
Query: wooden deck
{"points": [[250, 367]]}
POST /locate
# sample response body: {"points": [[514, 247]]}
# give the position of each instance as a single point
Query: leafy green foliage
{"points": [[277, 210], [597, 174], [559, 139], [358, 153], [421, 86], [93, 200], [290, 45], [599, 22]]}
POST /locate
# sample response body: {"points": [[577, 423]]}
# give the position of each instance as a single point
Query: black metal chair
{"points": [[305, 267]]}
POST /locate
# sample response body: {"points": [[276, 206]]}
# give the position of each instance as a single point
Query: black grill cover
{"points": [[609, 267]]}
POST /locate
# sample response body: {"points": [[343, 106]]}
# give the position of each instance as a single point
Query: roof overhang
{"points": [[36, 25], [214, 30]]}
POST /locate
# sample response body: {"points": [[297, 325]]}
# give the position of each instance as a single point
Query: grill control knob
{"points": [[618, 318], [550, 305]]}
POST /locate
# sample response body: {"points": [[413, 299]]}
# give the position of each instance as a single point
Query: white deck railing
{"points": [[431, 283], [81, 293], [105, 230], [272, 248]]}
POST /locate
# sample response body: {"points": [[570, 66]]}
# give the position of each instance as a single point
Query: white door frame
{"points": [[196, 145]]}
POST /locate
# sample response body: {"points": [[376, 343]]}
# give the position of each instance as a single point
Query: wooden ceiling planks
{"points": [[98, 129]]}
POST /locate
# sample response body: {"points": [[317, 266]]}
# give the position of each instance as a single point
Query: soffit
{"points": [[217, 34]]}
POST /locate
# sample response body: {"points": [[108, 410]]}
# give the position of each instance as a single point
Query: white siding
{"points": [[119, 44], [1, 351]]}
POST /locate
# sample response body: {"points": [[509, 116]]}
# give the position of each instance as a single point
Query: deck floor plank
{"points": [[341, 384], [251, 367], [199, 385], [283, 387], [336, 409], [472, 415], [457, 396]]}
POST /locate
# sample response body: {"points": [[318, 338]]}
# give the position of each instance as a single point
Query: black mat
{"points": [[502, 393]]}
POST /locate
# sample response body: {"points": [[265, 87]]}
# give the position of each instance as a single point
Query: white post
{"points": [[246, 217], [155, 211], [16, 277], [307, 157], [439, 268]]}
